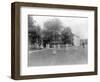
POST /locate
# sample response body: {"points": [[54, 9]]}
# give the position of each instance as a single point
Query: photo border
{"points": [[15, 39]]}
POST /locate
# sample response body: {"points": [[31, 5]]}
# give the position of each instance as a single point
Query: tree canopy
{"points": [[53, 28], [53, 25], [67, 36], [34, 31]]}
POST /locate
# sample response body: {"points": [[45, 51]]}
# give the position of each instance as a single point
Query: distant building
{"points": [[76, 40], [79, 42], [84, 41]]}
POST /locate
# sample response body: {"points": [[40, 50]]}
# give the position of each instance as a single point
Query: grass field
{"points": [[63, 56]]}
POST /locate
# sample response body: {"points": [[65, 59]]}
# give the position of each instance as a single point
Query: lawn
{"points": [[62, 56]]}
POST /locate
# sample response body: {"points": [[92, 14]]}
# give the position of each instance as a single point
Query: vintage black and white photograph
{"points": [[57, 40]]}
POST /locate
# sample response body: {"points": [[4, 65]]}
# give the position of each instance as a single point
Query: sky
{"points": [[78, 25]]}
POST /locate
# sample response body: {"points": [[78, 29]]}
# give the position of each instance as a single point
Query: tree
{"points": [[33, 31], [31, 23], [53, 25], [67, 36], [46, 37], [52, 30]]}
